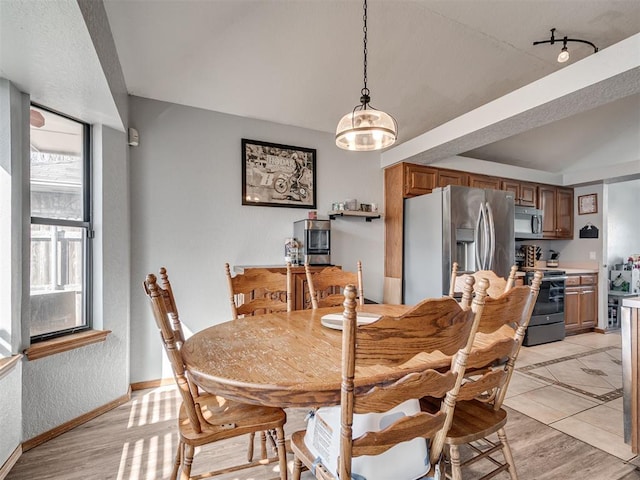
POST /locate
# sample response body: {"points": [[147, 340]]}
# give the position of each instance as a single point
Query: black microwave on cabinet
{"points": [[527, 223]]}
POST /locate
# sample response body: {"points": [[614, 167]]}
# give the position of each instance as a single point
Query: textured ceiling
{"points": [[300, 62]]}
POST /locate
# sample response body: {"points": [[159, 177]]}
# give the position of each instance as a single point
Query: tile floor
{"points": [[575, 386]]}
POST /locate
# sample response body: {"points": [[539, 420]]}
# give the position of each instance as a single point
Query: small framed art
{"points": [[588, 204]]}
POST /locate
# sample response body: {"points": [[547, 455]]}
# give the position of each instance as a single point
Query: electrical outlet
{"points": [[592, 255]]}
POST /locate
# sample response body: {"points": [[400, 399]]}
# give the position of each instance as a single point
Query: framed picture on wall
{"points": [[275, 175], [588, 204]]}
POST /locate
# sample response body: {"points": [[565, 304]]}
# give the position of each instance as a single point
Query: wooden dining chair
{"points": [[206, 418], [259, 291], [326, 286], [437, 335], [255, 292], [479, 411], [497, 285]]}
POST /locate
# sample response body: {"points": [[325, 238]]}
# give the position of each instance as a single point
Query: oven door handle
{"points": [[551, 279]]}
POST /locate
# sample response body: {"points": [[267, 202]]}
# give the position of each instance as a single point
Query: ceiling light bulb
{"points": [[564, 55]]}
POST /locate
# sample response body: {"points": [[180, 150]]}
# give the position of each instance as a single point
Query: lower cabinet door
{"points": [[588, 307], [572, 308]]}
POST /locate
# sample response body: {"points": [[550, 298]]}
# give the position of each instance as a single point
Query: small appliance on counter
{"points": [[314, 241], [553, 259]]}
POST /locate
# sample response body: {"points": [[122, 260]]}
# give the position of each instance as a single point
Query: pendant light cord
{"points": [[364, 99]]}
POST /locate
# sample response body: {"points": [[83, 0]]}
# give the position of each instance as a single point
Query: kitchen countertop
{"points": [[633, 302]]}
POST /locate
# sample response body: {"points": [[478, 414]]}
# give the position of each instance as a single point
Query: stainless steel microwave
{"points": [[527, 223]]}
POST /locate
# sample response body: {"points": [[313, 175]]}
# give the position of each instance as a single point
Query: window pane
{"points": [[57, 166], [57, 281]]}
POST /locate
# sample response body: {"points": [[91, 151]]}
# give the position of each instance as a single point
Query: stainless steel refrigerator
{"points": [[471, 226]]}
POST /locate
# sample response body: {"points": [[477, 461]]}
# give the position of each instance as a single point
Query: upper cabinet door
{"points": [[557, 206], [524, 194], [547, 203], [452, 177], [528, 195], [482, 181], [419, 180], [564, 213]]}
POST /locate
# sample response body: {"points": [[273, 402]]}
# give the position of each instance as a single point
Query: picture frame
{"points": [[588, 204], [276, 175]]}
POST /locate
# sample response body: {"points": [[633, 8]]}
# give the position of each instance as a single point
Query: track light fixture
{"points": [[564, 53]]}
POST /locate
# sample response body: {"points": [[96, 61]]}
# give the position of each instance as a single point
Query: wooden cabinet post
{"points": [[393, 233]]}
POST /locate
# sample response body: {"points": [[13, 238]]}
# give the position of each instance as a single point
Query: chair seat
{"points": [[300, 450], [246, 418], [472, 420]]}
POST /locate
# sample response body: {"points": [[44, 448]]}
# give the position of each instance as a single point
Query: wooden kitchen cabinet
{"points": [[419, 179], [484, 181], [452, 177], [524, 194], [404, 180], [581, 303], [557, 206]]}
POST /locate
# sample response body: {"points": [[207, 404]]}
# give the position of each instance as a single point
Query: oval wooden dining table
{"points": [[286, 359]]}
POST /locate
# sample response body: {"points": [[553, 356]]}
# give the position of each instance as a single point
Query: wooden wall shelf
{"points": [[368, 216]]}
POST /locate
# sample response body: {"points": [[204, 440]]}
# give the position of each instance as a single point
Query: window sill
{"points": [[66, 343], [7, 364]]}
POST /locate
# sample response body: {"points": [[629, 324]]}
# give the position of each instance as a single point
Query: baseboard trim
{"points": [[11, 461], [152, 384], [71, 424]]}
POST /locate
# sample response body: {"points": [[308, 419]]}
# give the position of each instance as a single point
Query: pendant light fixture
{"points": [[563, 56], [365, 128]]}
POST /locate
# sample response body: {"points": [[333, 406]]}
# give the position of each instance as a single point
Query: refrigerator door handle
{"points": [[492, 239], [486, 237], [476, 239]]}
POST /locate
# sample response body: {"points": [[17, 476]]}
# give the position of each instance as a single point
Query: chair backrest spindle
{"points": [[172, 344]]}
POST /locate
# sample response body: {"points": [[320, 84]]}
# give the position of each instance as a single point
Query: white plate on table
{"points": [[335, 320]]}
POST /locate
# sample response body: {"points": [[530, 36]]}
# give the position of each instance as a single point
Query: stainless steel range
{"points": [[547, 321]]}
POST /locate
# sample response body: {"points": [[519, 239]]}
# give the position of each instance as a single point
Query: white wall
{"points": [[187, 215], [13, 229], [579, 251], [11, 412], [623, 224]]}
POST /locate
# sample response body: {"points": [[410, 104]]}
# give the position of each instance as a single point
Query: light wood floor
{"points": [[137, 441]]}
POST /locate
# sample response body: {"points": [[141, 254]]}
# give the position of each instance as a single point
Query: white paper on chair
{"points": [[335, 320]]}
